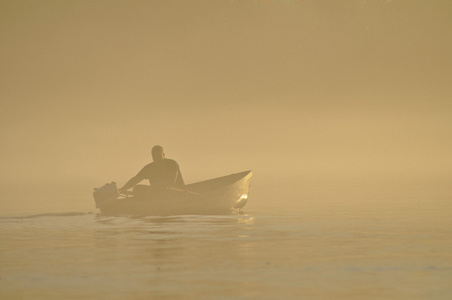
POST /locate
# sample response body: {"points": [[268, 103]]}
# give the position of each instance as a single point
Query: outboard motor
{"points": [[106, 192]]}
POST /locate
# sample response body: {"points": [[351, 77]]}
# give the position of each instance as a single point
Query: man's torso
{"points": [[160, 172]]}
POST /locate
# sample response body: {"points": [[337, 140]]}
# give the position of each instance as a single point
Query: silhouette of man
{"points": [[162, 173]]}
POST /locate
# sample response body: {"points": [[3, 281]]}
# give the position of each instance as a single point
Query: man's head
{"points": [[157, 153]]}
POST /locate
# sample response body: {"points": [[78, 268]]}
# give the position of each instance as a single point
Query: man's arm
{"points": [[133, 181], [171, 177]]}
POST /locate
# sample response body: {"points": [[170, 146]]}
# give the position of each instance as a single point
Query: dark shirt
{"points": [[162, 173]]}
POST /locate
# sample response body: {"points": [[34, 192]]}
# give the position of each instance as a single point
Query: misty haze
{"points": [[342, 110]]}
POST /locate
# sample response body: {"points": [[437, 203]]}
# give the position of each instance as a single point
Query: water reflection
{"points": [[172, 232], [183, 219], [236, 255], [188, 250]]}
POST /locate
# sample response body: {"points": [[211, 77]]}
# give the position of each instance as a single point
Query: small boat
{"points": [[222, 195]]}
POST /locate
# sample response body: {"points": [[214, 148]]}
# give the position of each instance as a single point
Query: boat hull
{"points": [[223, 195]]}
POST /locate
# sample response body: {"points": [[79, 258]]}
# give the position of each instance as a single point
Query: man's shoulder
{"points": [[148, 166], [165, 163], [171, 162]]}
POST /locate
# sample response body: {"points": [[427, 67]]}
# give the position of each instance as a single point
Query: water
{"points": [[323, 248]]}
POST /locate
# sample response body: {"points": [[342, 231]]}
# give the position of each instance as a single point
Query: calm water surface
{"points": [[379, 250]]}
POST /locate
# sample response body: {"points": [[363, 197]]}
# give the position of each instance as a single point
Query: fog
{"points": [[301, 92]]}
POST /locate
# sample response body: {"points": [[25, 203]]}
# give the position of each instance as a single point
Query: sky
{"points": [[296, 91]]}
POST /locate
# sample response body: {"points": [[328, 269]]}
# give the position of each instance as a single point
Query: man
{"points": [[162, 173]]}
